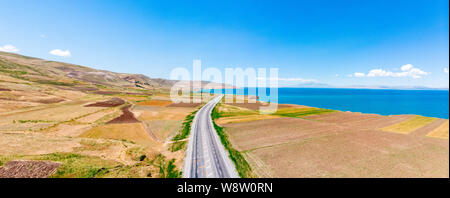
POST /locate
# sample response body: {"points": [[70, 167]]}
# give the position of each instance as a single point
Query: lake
{"points": [[432, 103]]}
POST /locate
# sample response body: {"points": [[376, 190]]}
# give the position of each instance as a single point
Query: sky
{"points": [[338, 43]]}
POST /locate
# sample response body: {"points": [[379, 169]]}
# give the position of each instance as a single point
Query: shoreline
{"points": [[364, 113]]}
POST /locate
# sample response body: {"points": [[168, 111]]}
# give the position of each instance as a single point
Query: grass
{"points": [[167, 169], [244, 118], [183, 134], [409, 125], [91, 145], [178, 145], [230, 111], [242, 166], [440, 132], [301, 112]]}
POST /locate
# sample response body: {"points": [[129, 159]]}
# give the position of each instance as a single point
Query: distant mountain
{"points": [[394, 87], [310, 85]]}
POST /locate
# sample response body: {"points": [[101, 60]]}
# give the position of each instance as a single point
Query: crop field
{"points": [[301, 112], [295, 145], [158, 103], [441, 131], [410, 125], [127, 131], [244, 118]]}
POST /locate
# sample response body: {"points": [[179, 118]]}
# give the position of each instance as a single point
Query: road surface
{"points": [[206, 156]]}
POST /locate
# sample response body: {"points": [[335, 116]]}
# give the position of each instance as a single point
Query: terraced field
{"points": [[87, 121]]}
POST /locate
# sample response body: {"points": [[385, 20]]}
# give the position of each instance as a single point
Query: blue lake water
{"points": [[432, 103]]}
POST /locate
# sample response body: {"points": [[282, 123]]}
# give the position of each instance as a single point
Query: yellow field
{"points": [[160, 103], [301, 112], [244, 118], [129, 131], [164, 113], [440, 132], [410, 125]]}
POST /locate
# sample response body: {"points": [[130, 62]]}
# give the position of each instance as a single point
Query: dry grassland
{"points": [[164, 129], [162, 113], [129, 131]]}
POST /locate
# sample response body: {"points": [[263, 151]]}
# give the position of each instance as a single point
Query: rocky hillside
{"points": [[64, 74]]}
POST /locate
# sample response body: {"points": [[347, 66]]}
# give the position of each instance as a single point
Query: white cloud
{"points": [[407, 70], [406, 67], [357, 74], [43, 36], [58, 52], [446, 70], [9, 48]]}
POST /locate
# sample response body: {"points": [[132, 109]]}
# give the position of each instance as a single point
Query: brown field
{"points": [[339, 144], [28, 169], [106, 92], [113, 102], [126, 117]]}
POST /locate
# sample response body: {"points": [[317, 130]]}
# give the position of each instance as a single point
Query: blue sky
{"points": [[340, 43]]}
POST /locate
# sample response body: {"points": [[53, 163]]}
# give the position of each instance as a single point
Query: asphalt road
{"points": [[206, 156]]}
